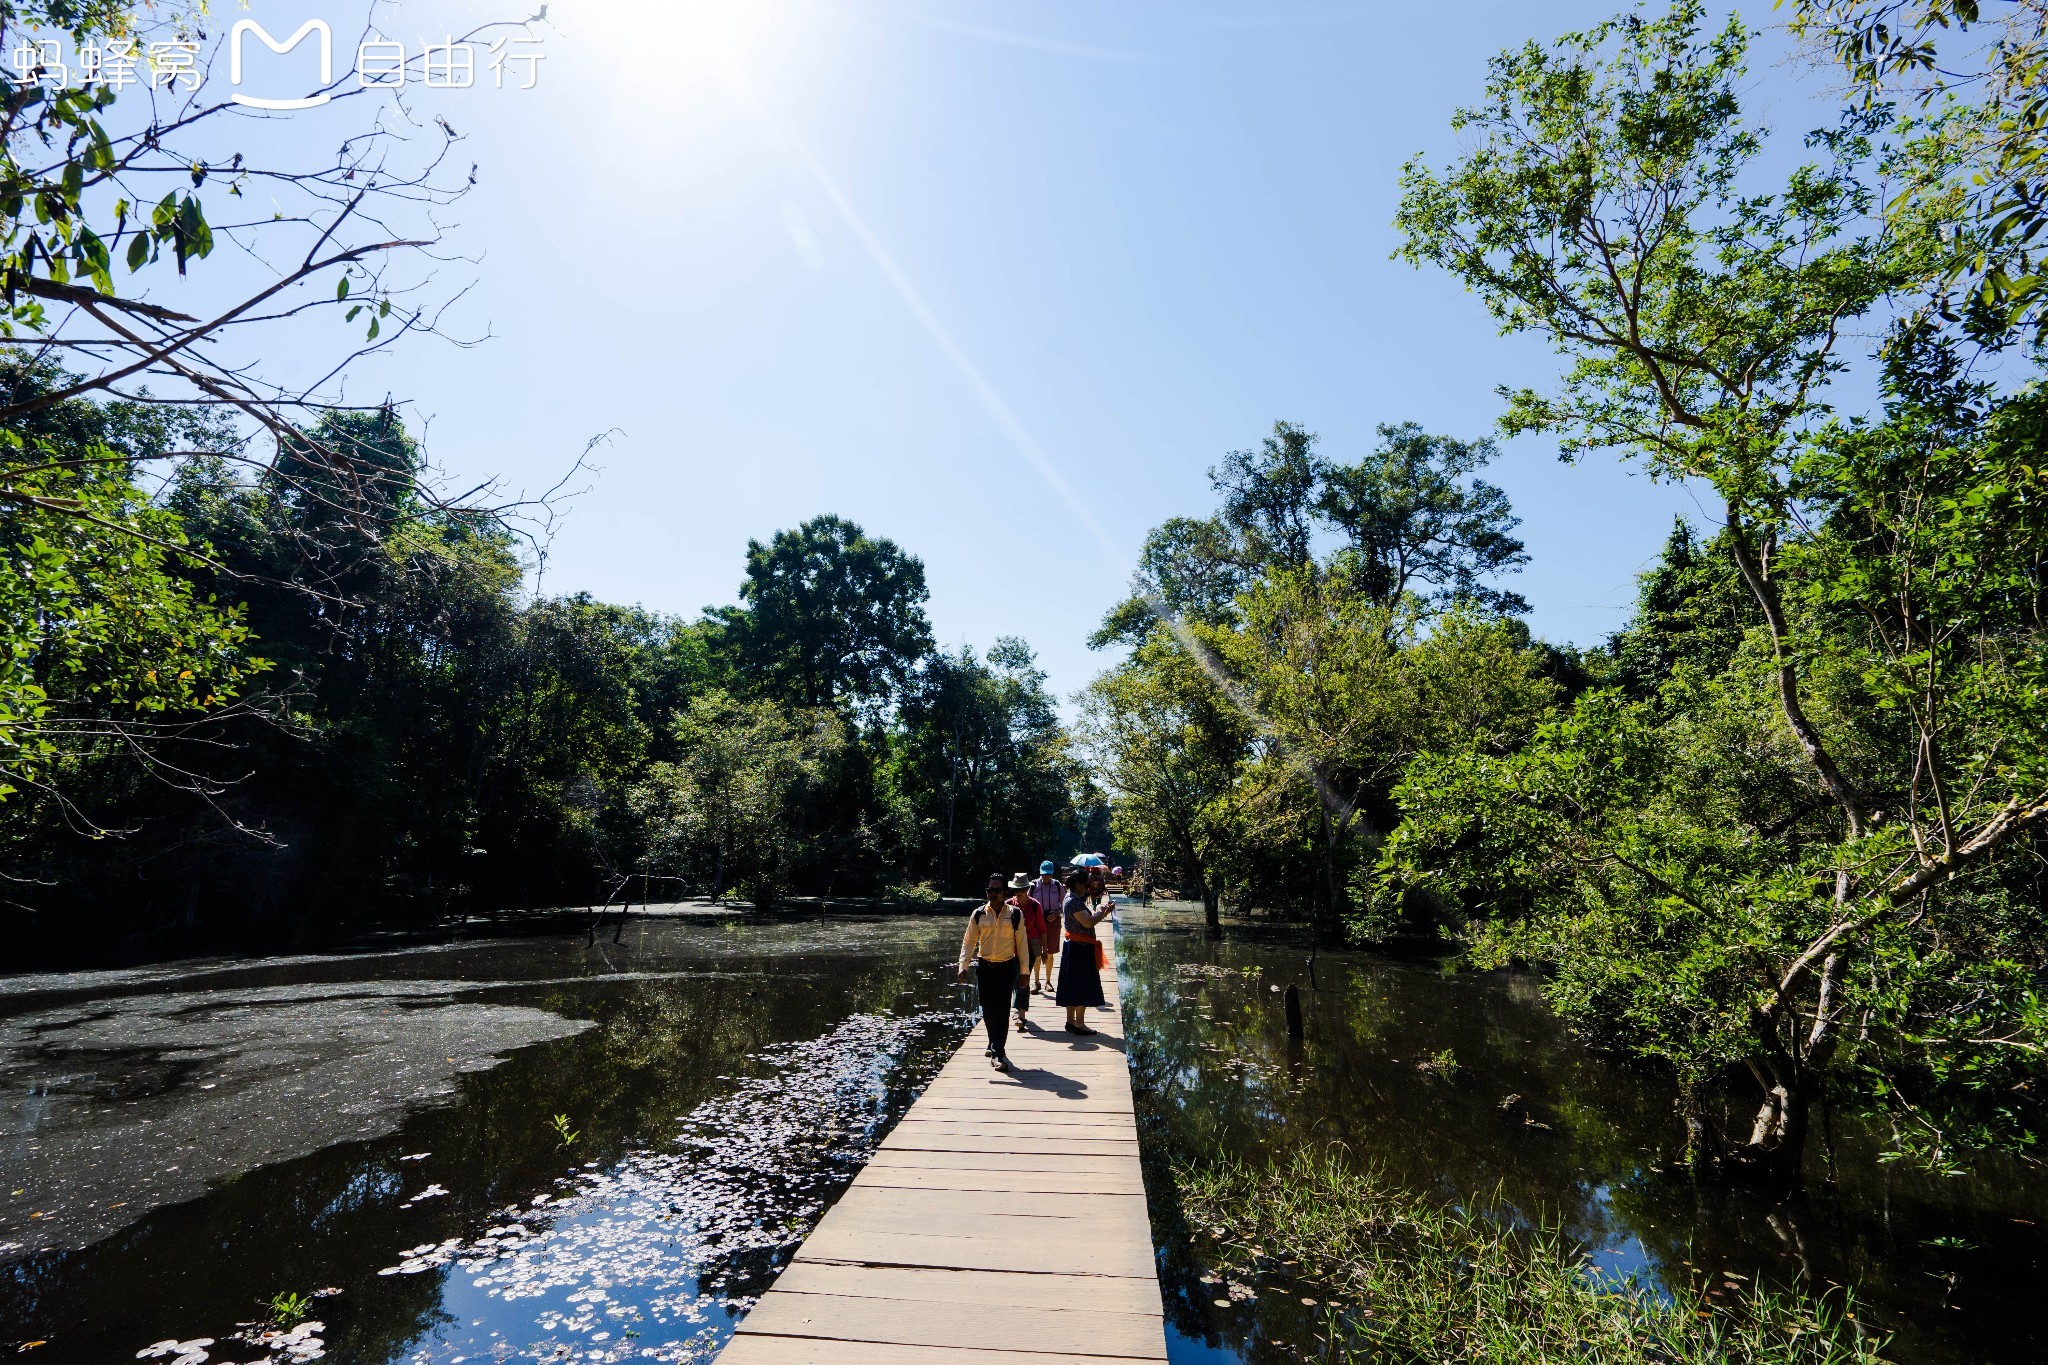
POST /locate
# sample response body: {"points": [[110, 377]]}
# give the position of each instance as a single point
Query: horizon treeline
{"points": [[327, 700]]}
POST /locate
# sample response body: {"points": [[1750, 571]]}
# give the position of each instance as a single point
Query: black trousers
{"points": [[998, 980]]}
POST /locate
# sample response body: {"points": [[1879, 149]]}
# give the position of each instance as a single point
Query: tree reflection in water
{"points": [[1462, 1085], [736, 1077]]}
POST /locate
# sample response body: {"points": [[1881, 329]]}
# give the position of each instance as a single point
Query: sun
{"points": [[694, 33], [680, 62]]}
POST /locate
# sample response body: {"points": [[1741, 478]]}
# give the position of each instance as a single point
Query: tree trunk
{"points": [[1326, 901], [1212, 908], [1775, 1153]]}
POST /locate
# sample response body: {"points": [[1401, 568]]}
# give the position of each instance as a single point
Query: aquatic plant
{"points": [[1403, 1277], [564, 1134], [288, 1309]]}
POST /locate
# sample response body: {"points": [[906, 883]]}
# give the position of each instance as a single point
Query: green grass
{"points": [[1410, 1280]]}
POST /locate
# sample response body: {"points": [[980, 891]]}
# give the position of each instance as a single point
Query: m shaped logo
{"points": [[326, 61]]}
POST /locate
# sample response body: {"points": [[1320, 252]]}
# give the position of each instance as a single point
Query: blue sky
{"points": [[926, 265]]}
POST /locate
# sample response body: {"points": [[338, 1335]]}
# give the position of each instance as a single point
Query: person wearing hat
{"points": [[1051, 896], [1034, 935], [996, 947]]}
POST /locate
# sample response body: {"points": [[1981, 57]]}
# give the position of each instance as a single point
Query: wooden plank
{"points": [[1094, 1293], [978, 1147], [939, 1249], [948, 1210], [1005, 1138], [978, 1250], [1047, 1127], [975, 1215], [996, 1325], [913, 1159], [1015, 1182], [975, 1146], [949, 1100], [748, 1349]]}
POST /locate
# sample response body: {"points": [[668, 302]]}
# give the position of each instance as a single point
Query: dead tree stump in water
{"points": [[1293, 1011]]}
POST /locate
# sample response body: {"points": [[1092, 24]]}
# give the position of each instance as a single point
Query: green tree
{"points": [[565, 742], [828, 615], [1411, 512], [1603, 205], [1691, 608], [1408, 514], [1980, 77], [105, 646], [104, 198], [977, 766], [1348, 692], [1268, 499], [728, 813], [1188, 570], [1172, 749]]}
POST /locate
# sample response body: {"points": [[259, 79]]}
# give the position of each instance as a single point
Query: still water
{"points": [[1464, 1085], [536, 1150], [380, 1134]]}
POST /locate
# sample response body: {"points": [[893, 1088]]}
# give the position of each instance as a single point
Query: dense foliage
{"points": [[1784, 834], [257, 669], [1294, 650], [414, 736]]}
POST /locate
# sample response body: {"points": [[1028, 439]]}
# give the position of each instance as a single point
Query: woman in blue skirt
{"points": [[1081, 956]]}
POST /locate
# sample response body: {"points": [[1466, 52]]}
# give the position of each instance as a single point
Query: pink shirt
{"points": [[1050, 895]]}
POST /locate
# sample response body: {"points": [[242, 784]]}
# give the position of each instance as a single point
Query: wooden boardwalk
{"points": [[1003, 1221]]}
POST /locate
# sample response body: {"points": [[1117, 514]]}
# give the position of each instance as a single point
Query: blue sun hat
{"points": [[1046, 869]]}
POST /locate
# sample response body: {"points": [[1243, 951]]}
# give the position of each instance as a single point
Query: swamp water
{"points": [[1465, 1086], [378, 1132]]}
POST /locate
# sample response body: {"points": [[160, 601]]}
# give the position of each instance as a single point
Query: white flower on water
{"points": [[191, 1352]]}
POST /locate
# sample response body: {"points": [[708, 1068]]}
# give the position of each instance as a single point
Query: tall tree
{"points": [[829, 614], [1604, 204], [1268, 498], [1172, 749], [111, 193], [1188, 569], [978, 764], [1411, 512], [1978, 75], [1692, 609], [106, 647], [1348, 691], [727, 814]]}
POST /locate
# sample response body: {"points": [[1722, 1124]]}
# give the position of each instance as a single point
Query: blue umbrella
{"points": [[1090, 860]]}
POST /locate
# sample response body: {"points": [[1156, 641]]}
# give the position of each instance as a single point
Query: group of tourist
{"points": [[1011, 942]]}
